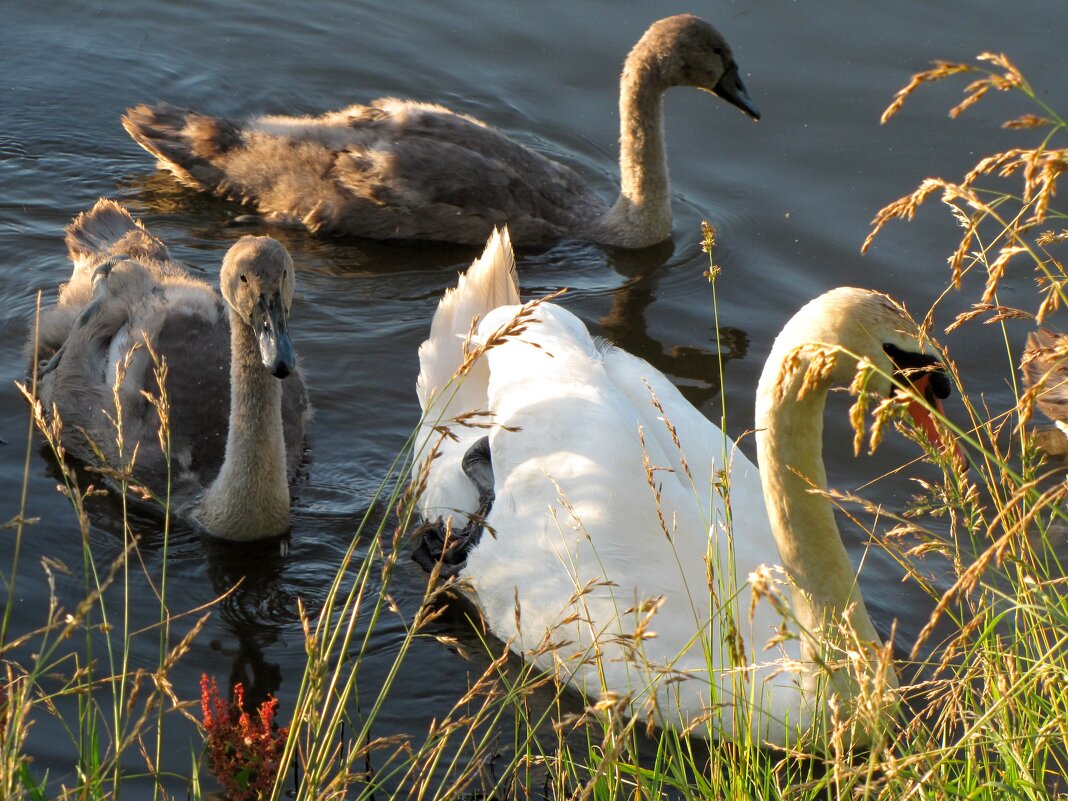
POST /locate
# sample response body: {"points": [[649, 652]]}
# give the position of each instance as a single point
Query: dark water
{"points": [[791, 199]]}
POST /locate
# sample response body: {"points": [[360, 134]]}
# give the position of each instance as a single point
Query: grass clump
{"points": [[75, 666], [984, 697], [992, 710]]}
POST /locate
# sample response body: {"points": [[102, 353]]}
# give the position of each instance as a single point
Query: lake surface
{"points": [[791, 199]]}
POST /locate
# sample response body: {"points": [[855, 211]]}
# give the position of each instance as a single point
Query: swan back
{"points": [[1044, 366], [127, 308]]}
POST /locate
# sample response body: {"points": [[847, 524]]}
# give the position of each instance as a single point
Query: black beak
{"points": [[276, 348], [731, 89]]}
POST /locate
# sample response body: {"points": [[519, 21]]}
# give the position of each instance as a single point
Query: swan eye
{"points": [[908, 362]]}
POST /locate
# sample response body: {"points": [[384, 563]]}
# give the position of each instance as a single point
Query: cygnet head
{"points": [[684, 50], [257, 282]]}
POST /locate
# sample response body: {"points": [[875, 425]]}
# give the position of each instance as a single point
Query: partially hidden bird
{"points": [[135, 340]]}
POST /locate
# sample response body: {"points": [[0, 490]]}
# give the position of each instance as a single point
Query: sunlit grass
{"points": [[984, 701], [118, 709]]}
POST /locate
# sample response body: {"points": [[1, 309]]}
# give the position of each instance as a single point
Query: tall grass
{"points": [[999, 723], [75, 665], [984, 702]]}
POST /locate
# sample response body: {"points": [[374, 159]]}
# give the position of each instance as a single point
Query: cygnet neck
{"points": [[249, 499], [642, 213]]}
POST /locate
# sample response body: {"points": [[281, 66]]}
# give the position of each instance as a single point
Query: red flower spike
{"points": [[243, 751]]}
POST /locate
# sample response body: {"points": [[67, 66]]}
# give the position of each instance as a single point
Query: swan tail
{"points": [[489, 282], [186, 143], [108, 230]]}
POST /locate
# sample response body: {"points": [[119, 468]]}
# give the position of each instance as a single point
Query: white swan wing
{"points": [[696, 450], [489, 282], [595, 516], [574, 534]]}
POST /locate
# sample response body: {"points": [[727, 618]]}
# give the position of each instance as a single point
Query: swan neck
{"points": [[790, 448], [642, 213], [249, 499]]}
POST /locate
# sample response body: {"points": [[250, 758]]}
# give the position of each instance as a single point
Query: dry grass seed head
{"points": [[902, 208], [1052, 237], [671, 430], [996, 314], [857, 412], [763, 585], [510, 329], [996, 271], [1027, 121], [818, 361], [1010, 79], [940, 70], [708, 245], [650, 478], [1051, 300], [887, 410]]}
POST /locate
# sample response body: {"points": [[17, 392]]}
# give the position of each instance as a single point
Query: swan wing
{"points": [[393, 169], [696, 450], [603, 512], [587, 520], [491, 281]]}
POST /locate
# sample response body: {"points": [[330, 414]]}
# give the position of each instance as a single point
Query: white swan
{"points": [[399, 169], [576, 544], [236, 430]]}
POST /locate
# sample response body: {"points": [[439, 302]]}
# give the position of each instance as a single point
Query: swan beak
{"points": [[276, 348], [731, 89], [922, 417]]}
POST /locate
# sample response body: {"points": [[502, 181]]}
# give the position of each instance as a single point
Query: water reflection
{"points": [[256, 602], [206, 216], [158, 192], [696, 369]]}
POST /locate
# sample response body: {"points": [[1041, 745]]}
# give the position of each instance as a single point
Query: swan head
{"points": [[257, 282], [684, 50], [821, 345]]}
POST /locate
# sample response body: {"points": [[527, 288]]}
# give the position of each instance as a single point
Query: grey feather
{"points": [[137, 299]]}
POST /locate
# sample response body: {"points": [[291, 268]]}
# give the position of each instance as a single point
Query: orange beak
{"points": [[922, 417]]}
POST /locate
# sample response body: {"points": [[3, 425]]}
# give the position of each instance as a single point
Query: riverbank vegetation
{"points": [[983, 703]]}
